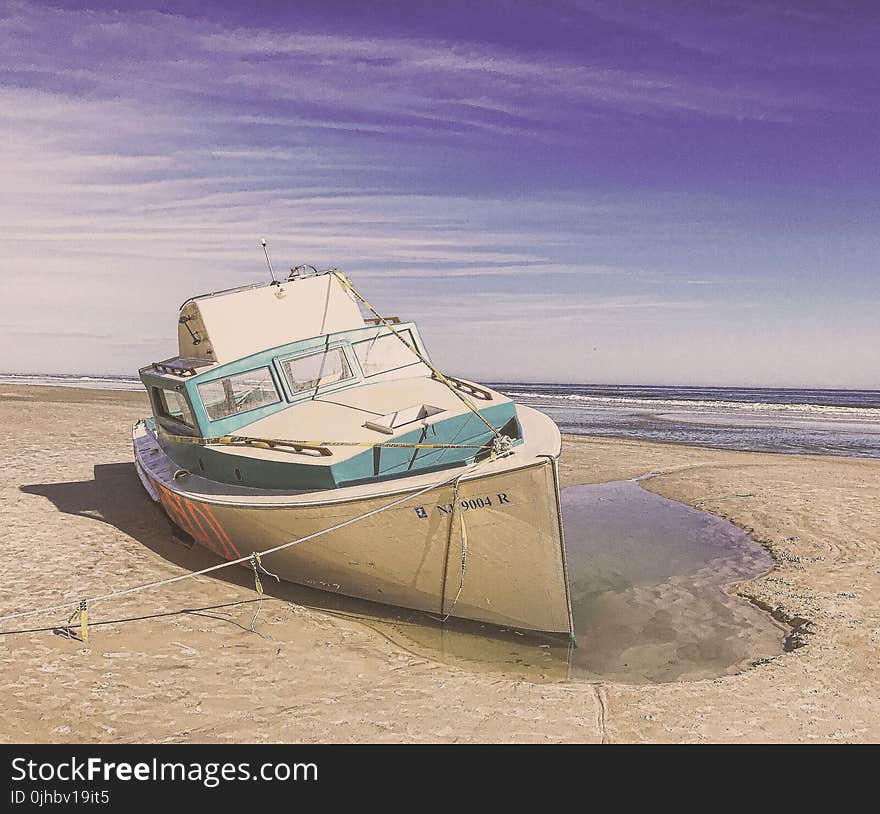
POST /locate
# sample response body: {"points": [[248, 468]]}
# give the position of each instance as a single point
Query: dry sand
{"points": [[180, 665]]}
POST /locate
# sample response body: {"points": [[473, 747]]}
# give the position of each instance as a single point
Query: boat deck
{"points": [[348, 411], [542, 439]]}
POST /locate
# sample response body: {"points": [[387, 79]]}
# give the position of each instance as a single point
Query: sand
{"points": [[181, 665]]}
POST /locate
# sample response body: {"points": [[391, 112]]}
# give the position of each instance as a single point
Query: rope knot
{"points": [[502, 446], [257, 566], [83, 612]]}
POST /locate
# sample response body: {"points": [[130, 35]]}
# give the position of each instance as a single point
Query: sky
{"points": [[610, 192]]}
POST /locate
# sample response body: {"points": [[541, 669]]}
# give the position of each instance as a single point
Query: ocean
{"points": [[823, 422], [97, 381]]}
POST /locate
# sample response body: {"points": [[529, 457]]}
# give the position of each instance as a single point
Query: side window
{"points": [[239, 393], [385, 352], [316, 370], [173, 404]]}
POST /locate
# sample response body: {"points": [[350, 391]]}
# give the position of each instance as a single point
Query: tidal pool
{"points": [[648, 580]]}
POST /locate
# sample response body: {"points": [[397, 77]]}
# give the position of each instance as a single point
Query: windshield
{"points": [[316, 370], [173, 404], [385, 352], [239, 393]]}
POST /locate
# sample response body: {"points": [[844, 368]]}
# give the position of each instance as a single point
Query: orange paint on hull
{"points": [[198, 521]]}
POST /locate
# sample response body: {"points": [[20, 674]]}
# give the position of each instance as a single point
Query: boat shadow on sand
{"points": [[116, 497]]}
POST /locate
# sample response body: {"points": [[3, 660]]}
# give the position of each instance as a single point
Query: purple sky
{"points": [[653, 192]]}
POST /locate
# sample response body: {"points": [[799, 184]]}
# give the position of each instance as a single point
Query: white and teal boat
{"points": [[288, 423]]}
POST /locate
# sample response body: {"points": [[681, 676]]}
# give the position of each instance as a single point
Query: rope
{"points": [[257, 565], [83, 612], [464, 543], [346, 283], [254, 558], [225, 440]]}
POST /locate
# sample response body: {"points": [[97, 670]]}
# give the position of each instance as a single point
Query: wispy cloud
{"points": [[143, 154]]}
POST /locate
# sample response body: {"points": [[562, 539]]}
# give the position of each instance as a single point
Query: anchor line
{"points": [[456, 509], [253, 558]]}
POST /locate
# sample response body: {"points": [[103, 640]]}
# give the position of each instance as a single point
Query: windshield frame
{"points": [[299, 395]]}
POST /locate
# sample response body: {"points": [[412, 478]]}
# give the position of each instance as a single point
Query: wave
{"points": [[694, 405], [95, 382]]}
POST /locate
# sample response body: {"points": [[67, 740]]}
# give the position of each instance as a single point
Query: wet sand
{"points": [[181, 665]]}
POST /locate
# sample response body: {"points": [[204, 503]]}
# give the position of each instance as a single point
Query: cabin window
{"points": [[239, 393], [385, 352], [316, 370], [173, 404]]}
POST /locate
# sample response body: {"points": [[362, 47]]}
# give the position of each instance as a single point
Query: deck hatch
{"points": [[399, 418]]}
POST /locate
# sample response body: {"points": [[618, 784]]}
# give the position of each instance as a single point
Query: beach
{"points": [[181, 664]]}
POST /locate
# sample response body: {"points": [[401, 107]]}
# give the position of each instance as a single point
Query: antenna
{"points": [[268, 261]]}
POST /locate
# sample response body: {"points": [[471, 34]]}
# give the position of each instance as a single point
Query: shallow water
{"points": [[648, 579]]}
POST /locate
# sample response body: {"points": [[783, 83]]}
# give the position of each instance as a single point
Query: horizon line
{"points": [[93, 375]]}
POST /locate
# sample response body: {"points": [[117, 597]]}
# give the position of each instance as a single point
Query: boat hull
{"points": [[496, 555]]}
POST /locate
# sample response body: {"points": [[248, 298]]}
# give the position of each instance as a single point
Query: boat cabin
{"points": [[310, 391]]}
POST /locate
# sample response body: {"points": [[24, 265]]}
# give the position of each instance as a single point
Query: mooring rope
{"points": [[497, 447], [257, 565], [81, 605], [456, 509]]}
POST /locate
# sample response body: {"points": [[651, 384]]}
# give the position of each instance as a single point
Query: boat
{"points": [[302, 434]]}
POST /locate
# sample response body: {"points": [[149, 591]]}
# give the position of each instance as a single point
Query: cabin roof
{"points": [[226, 326]]}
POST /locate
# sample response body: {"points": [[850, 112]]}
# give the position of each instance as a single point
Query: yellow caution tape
{"points": [[272, 443]]}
